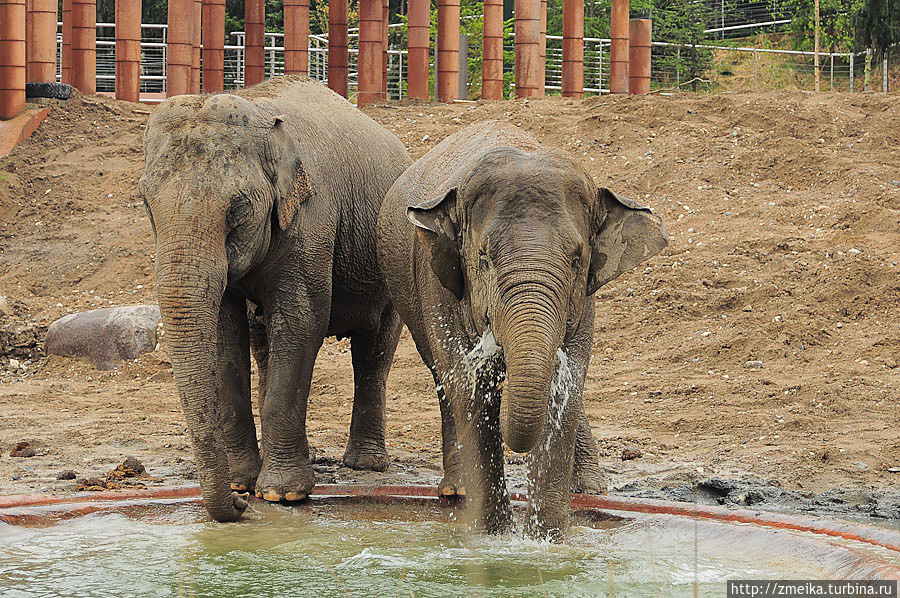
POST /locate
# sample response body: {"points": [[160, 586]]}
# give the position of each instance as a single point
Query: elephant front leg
{"points": [[587, 475], [286, 472], [373, 352], [451, 484], [477, 418], [233, 366]]}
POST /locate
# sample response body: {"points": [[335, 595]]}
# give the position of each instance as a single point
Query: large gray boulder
{"points": [[105, 336]]}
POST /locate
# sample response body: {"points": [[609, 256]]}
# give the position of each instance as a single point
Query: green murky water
{"points": [[322, 551]]}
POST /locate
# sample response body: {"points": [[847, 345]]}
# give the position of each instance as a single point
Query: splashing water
{"points": [[560, 390], [482, 354]]}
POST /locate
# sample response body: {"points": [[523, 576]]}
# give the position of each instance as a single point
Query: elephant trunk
{"points": [[530, 330], [190, 285]]}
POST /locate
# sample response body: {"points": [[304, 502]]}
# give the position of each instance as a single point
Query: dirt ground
{"points": [[761, 345]]}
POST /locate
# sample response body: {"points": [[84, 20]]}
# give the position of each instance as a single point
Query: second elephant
{"points": [[492, 247]]}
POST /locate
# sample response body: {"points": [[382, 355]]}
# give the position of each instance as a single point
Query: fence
{"points": [[732, 68]]}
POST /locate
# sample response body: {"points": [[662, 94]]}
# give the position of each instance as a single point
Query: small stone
{"points": [[14, 364], [754, 363], [22, 449], [66, 474], [896, 183], [890, 362], [839, 325], [748, 308], [864, 362], [854, 251], [631, 452], [893, 469], [5, 308]]}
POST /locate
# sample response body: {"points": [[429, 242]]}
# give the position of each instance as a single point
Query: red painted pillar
{"points": [[254, 42], [42, 54], [296, 36], [12, 58], [528, 33], [29, 36], [492, 51], [180, 40], [128, 50], [448, 50], [639, 56], [337, 46], [370, 15], [385, 21], [542, 52], [618, 53], [66, 58], [196, 38], [419, 22], [213, 45], [84, 45], [573, 49]]}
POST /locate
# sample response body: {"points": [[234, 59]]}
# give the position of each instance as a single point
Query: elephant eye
{"points": [[483, 262], [576, 263], [239, 212]]}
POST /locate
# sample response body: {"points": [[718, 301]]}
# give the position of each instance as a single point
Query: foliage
{"points": [[835, 23], [683, 22], [877, 25]]}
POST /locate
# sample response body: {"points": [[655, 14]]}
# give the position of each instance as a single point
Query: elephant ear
{"points": [[624, 235], [288, 177], [437, 232]]}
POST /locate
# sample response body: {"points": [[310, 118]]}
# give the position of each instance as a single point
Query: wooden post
{"points": [[639, 51], [12, 58], [618, 51], [369, 89], [492, 51], [385, 21], [816, 59], [448, 50], [213, 46], [296, 37], [128, 50], [84, 45], [419, 22], [254, 42], [337, 46], [66, 57], [573, 49], [180, 46], [43, 41], [528, 52], [197, 38], [542, 52]]}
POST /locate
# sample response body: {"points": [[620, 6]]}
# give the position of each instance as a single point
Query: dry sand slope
{"points": [[763, 342]]}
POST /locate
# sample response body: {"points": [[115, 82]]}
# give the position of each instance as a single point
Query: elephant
{"points": [[269, 196], [492, 247]]}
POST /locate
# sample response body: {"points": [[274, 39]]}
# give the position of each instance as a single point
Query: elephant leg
{"points": [[477, 417], [259, 347], [587, 475], [294, 342], [233, 365], [373, 353], [452, 484]]}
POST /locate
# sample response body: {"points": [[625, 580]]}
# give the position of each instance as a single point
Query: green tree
{"points": [[682, 22], [877, 25], [836, 26]]}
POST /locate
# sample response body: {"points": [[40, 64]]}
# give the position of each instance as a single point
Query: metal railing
{"points": [[770, 69]]}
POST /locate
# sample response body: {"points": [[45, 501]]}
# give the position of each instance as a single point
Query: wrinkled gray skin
{"points": [[491, 230], [269, 195]]}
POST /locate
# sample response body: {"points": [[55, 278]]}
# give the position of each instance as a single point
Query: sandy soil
{"points": [[762, 344]]}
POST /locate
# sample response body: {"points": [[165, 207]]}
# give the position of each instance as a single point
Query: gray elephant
{"points": [[269, 195], [492, 247]]}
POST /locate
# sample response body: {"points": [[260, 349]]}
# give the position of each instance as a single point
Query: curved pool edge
{"points": [[30, 509]]}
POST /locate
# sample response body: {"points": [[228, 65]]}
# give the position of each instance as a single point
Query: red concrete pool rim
{"points": [[27, 509]]}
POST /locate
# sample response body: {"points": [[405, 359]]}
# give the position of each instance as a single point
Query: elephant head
{"points": [[524, 240], [222, 177]]}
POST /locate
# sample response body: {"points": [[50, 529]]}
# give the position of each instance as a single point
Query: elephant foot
{"points": [[366, 455], [588, 480], [451, 487], [280, 483], [243, 478]]}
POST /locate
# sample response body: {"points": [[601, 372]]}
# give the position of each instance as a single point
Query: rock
{"points": [[631, 452], [14, 364], [893, 469], [66, 474], [5, 307], [753, 363], [105, 336], [91, 485], [22, 449]]}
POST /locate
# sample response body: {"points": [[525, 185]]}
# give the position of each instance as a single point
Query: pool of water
{"points": [[325, 550]]}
